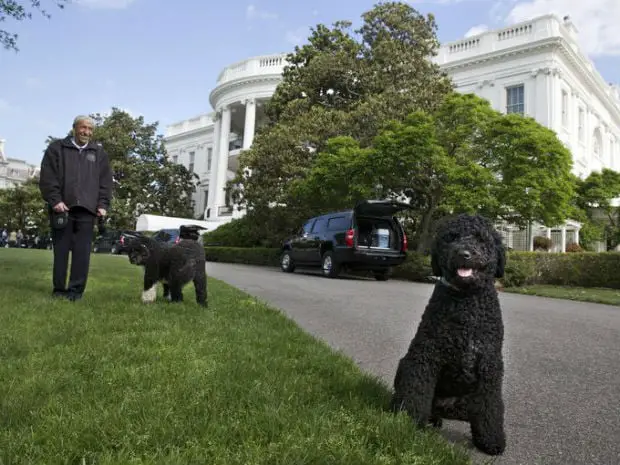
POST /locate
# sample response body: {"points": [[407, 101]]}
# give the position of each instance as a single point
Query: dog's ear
{"points": [[500, 264], [435, 266], [145, 250]]}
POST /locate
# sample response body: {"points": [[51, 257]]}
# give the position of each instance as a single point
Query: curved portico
{"points": [[238, 99]]}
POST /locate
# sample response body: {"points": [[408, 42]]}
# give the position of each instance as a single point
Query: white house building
{"points": [[14, 171], [534, 68]]}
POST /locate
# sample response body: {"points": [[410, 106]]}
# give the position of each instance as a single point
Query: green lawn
{"points": [[583, 294], [109, 380]]}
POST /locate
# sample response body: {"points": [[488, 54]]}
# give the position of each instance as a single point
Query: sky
{"points": [[151, 59]]}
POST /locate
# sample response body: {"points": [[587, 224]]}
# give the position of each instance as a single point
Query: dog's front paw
{"points": [[149, 295], [492, 444]]}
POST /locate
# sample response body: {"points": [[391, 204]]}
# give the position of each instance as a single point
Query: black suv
{"points": [[112, 241], [368, 237]]}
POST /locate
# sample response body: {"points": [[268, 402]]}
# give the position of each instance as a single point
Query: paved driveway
{"points": [[562, 384]]}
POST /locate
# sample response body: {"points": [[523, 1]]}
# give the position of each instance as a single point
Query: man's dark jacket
{"points": [[79, 178]]}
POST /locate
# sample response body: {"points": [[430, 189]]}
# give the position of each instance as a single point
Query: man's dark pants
{"points": [[76, 237]]}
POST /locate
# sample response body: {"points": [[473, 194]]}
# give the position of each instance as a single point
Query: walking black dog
{"points": [[174, 266], [454, 366]]}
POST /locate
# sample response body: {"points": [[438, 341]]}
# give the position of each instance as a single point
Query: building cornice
{"points": [[190, 133], [556, 44], [228, 86], [590, 79], [500, 55]]}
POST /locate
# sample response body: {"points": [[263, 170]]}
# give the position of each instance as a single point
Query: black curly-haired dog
{"points": [[454, 366], [174, 266]]}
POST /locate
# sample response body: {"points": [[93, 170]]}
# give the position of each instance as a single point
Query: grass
{"points": [[583, 294], [109, 380]]}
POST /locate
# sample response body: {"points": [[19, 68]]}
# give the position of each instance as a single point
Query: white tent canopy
{"points": [[154, 223]]}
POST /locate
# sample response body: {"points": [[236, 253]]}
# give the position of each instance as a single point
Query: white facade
{"points": [[14, 171], [535, 68], [210, 144]]}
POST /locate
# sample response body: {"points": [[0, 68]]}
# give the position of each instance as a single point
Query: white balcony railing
{"points": [[255, 66]]}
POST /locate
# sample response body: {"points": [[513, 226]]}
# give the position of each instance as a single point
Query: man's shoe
{"points": [[72, 296], [59, 294]]}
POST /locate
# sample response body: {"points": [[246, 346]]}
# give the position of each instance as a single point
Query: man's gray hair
{"points": [[83, 118]]}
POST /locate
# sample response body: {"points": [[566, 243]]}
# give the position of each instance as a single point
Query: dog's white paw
{"points": [[149, 295]]}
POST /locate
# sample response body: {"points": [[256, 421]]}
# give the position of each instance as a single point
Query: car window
{"points": [[338, 223], [319, 225], [307, 229]]}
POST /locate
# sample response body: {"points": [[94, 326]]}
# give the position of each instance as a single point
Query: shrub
{"points": [[517, 273], [255, 229], [573, 247], [262, 256], [586, 269], [417, 267], [542, 243]]}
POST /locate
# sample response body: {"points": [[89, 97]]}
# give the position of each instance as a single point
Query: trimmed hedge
{"points": [[586, 269], [261, 256]]}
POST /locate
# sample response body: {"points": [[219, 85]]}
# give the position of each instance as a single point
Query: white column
{"points": [[577, 235], [214, 161], [563, 239], [543, 97], [222, 159], [250, 123]]}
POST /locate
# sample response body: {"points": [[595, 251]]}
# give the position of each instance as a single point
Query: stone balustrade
{"points": [[255, 66], [198, 122]]}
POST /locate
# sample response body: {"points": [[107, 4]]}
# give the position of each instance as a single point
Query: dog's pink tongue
{"points": [[464, 272]]}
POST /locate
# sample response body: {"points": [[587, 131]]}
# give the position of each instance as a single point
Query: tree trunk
{"points": [[425, 226]]}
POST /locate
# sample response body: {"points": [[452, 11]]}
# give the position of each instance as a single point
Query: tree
{"points": [[15, 10], [145, 180], [21, 207], [341, 83], [595, 197], [432, 161], [463, 157], [534, 167]]}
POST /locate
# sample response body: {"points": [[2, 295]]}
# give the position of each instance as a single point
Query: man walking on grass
{"points": [[76, 183]]}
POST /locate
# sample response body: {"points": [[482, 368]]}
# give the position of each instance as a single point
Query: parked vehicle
{"points": [[112, 241], [170, 236], [367, 237]]}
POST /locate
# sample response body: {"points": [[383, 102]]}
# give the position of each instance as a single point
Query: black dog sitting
{"points": [[175, 266], [454, 366]]}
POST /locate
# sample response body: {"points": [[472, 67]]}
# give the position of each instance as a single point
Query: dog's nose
{"points": [[465, 254]]}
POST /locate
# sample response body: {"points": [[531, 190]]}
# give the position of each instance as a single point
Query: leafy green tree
{"points": [[145, 180], [342, 83], [17, 11], [463, 157], [534, 168], [595, 197], [21, 207], [433, 162]]}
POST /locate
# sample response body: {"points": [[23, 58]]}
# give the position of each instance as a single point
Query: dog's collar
{"points": [[447, 283]]}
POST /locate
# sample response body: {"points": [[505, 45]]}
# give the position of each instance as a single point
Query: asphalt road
{"points": [[562, 383]]}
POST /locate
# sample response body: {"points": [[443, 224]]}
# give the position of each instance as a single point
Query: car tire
{"points": [[113, 250], [329, 266], [286, 262], [382, 275], [95, 249]]}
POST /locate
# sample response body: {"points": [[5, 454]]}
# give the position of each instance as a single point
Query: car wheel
{"points": [[330, 268], [113, 250], [95, 249], [286, 262], [381, 275]]}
